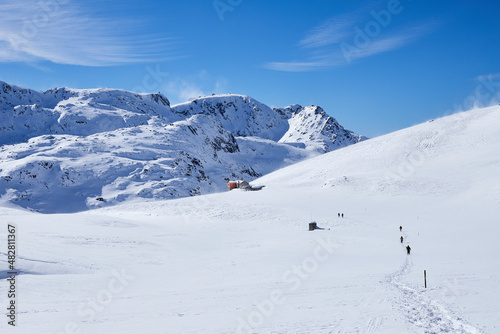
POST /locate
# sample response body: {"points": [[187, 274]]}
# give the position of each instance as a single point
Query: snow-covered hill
{"points": [[245, 262], [102, 146]]}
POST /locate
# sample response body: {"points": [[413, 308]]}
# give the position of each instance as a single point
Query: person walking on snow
{"points": [[401, 239], [401, 228], [408, 249]]}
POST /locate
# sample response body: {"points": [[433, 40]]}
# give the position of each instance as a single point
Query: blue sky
{"points": [[376, 66]]}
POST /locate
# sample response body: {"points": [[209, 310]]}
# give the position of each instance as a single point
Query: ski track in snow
{"points": [[430, 315]]}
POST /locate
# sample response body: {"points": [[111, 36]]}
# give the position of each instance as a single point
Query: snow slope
{"points": [[244, 262], [97, 147]]}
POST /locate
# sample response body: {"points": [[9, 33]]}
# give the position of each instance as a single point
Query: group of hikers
{"points": [[408, 248]]}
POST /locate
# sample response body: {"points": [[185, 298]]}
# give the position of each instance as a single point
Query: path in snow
{"points": [[430, 315]]}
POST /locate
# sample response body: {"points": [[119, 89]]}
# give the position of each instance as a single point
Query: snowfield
{"points": [[245, 262]]}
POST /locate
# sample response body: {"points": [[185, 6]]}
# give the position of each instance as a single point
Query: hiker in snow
{"points": [[401, 228], [342, 215], [401, 239], [339, 215], [408, 249]]}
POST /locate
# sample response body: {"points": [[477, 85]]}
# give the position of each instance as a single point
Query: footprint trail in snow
{"points": [[422, 312]]}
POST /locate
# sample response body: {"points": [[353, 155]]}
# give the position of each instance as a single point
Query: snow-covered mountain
{"points": [[313, 126], [97, 146]]}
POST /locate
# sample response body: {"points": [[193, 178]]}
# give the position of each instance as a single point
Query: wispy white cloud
{"points": [[486, 93], [333, 31], [64, 32], [302, 66], [180, 90], [344, 54], [343, 39], [351, 51]]}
